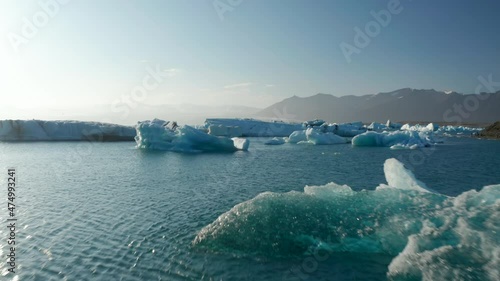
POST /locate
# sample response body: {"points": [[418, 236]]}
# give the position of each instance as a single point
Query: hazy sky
{"points": [[254, 53]]}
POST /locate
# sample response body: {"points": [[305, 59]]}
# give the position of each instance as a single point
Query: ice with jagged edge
{"points": [[315, 136], [318, 132], [429, 236], [161, 135], [237, 127], [458, 130], [63, 130], [395, 140]]}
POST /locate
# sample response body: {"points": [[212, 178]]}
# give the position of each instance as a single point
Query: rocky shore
{"points": [[491, 132]]}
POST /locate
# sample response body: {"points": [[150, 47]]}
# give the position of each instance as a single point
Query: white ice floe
{"points": [[39, 130], [160, 135]]}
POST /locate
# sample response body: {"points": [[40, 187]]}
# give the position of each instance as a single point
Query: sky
{"points": [[86, 53]]}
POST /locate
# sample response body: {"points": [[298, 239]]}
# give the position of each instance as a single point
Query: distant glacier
{"points": [[40, 130]]}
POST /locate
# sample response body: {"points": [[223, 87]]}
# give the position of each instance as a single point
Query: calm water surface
{"points": [[107, 211]]}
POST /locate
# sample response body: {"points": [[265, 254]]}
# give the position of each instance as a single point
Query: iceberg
{"points": [[347, 129], [374, 126], [431, 127], [394, 140], [458, 130], [237, 127], [40, 130], [397, 175], [315, 136], [157, 135], [342, 129], [297, 136], [240, 143], [404, 221]]}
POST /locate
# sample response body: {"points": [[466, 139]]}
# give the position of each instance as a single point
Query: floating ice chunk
{"points": [[275, 141], [429, 235], [395, 140], [335, 216], [316, 137], [458, 130], [431, 127], [241, 144], [465, 245], [397, 176], [157, 135], [297, 137]]}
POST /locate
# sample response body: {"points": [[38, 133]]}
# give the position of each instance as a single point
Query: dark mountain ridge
{"points": [[401, 105]]}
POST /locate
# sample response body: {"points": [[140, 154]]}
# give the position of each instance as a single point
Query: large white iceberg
{"points": [[236, 127], [160, 135], [40, 130]]}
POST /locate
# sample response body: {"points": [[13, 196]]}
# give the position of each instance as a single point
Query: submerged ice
{"points": [[162, 135], [430, 236]]}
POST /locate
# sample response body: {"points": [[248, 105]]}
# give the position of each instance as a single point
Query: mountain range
{"points": [[403, 105]]}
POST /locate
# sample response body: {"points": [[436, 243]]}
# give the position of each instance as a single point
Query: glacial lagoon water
{"points": [[109, 211]]}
